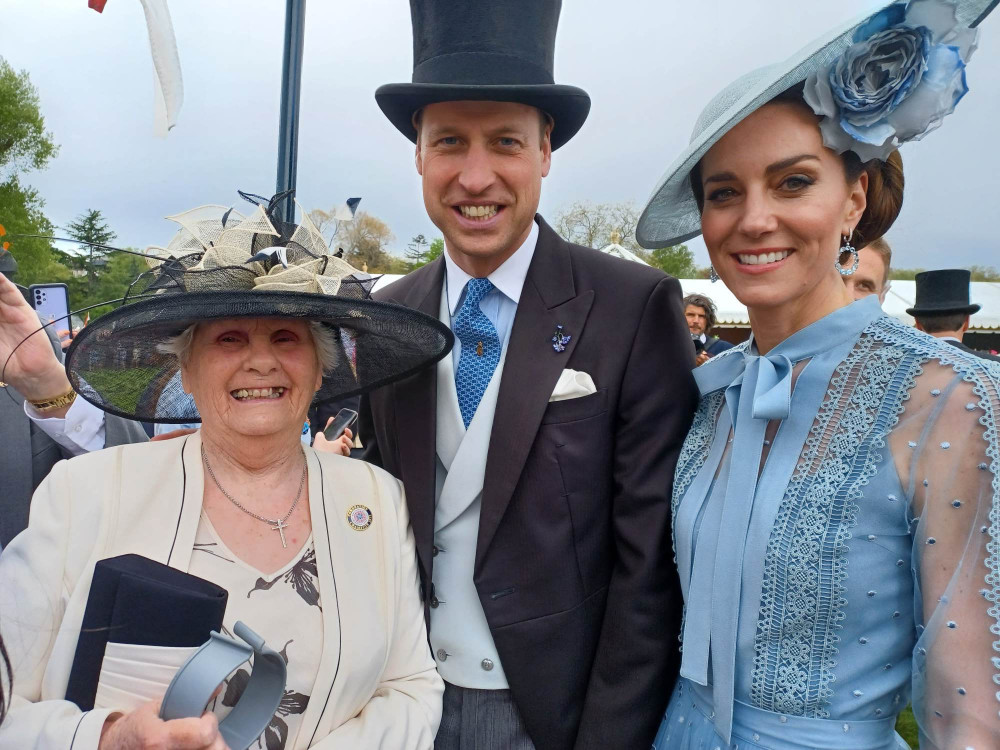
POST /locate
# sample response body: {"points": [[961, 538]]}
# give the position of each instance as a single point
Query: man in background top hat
{"points": [[538, 458], [942, 307]]}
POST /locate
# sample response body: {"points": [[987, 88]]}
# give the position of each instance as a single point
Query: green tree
{"points": [[365, 241], [24, 145], [114, 281], [422, 255], [676, 260], [24, 142], [90, 228], [984, 273], [21, 213]]}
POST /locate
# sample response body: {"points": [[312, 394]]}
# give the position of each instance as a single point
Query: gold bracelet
{"points": [[51, 404]]}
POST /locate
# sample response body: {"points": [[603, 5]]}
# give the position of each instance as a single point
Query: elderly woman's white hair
{"points": [[324, 339]]}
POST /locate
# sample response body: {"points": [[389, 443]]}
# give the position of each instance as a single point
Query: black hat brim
{"points": [[943, 310], [568, 106], [115, 363]]}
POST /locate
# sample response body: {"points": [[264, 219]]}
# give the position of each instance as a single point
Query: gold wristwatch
{"points": [[57, 402]]}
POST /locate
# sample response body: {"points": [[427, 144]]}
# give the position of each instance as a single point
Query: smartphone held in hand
{"points": [[345, 419], [51, 302]]}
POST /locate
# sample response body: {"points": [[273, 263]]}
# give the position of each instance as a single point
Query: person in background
{"points": [[41, 420], [872, 274], [700, 313], [538, 458], [942, 307]]}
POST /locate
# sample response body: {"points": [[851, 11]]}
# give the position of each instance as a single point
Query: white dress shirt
{"points": [[79, 432], [500, 305]]}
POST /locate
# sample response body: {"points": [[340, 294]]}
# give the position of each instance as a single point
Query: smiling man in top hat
{"points": [[538, 458], [942, 307]]}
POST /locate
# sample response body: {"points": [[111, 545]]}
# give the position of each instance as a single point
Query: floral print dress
{"points": [[284, 608]]}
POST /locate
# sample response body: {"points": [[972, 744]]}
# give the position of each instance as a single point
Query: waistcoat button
{"points": [[486, 664], [442, 655]]}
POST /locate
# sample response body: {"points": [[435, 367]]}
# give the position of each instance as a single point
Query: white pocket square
{"points": [[572, 384]]}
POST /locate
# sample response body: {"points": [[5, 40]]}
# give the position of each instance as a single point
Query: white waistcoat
{"points": [[460, 636]]}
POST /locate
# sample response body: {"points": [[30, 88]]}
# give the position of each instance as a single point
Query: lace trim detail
{"points": [[697, 445], [802, 599], [983, 375], [698, 442]]}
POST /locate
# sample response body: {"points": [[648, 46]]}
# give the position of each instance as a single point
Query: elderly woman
{"points": [[836, 502], [313, 548]]}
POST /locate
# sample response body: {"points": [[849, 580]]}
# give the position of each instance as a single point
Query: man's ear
{"points": [[965, 325], [418, 160], [547, 149]]}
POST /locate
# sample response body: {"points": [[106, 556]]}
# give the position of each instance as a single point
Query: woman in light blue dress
{"points": [[836, 511]]}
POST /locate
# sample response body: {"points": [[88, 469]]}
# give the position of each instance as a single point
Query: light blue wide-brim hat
{"points": [[671, 214]]}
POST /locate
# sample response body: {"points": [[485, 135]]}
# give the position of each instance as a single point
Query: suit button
{"points": [[434, 602], [442, 655], [486, 664]]}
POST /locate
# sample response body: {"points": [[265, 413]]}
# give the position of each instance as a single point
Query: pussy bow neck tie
{"points": [[758, 388]]}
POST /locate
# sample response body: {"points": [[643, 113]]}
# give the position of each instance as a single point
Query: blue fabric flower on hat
{"points": [[904, 72]]}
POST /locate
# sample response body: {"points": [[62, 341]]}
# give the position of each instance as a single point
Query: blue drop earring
{"points": [[847, 247], [712, 275]]}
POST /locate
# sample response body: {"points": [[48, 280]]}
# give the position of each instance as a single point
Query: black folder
{"points": [[139, 601]]}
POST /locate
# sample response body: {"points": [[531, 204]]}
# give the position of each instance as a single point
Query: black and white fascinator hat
{"points": [[222, 264], [875, 83]]}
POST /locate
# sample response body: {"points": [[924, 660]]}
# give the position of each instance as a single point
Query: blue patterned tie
{"points": [[480, 348]]}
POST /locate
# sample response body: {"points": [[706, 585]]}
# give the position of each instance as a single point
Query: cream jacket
{"points": [[376, 687]]}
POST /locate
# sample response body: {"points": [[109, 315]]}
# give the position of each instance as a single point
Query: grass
{"points": [[127, 386], [906, 725]]}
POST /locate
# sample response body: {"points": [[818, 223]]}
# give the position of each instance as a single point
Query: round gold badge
{"points": [[359, 517]]}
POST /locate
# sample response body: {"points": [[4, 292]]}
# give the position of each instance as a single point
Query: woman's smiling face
{"points": [[252, 376], [776, 203]]}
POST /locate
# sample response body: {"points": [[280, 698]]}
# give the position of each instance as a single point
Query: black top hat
{"points": [[485, 51], [943, 292]]}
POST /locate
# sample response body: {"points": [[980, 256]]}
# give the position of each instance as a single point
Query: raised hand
{"points": [[33, 369]]}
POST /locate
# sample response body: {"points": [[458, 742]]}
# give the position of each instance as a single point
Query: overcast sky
{"points": [[649, 66]]}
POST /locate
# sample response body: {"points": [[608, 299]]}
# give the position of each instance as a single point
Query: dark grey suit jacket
{"points": [[27, 454], [574, 560]]}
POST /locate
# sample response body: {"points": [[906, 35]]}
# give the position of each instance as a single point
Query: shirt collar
{"points": [[508, 278]]}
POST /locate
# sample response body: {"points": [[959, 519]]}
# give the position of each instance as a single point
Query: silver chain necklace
{"points": [[278, 524]]}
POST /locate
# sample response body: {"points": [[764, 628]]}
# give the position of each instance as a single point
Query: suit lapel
{"points": [[415, 401], [548, 298], [16, 464]]}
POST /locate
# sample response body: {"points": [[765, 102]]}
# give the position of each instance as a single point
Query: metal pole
{"points": [[291, 86]]}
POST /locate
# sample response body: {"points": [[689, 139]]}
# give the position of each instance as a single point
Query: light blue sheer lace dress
{"points": [[838, 549]]}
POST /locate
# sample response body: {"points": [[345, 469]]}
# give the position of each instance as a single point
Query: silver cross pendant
{"points": [[280, 527]]}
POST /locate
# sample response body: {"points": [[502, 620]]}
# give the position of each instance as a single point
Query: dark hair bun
{"points": [[885, 199]]}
